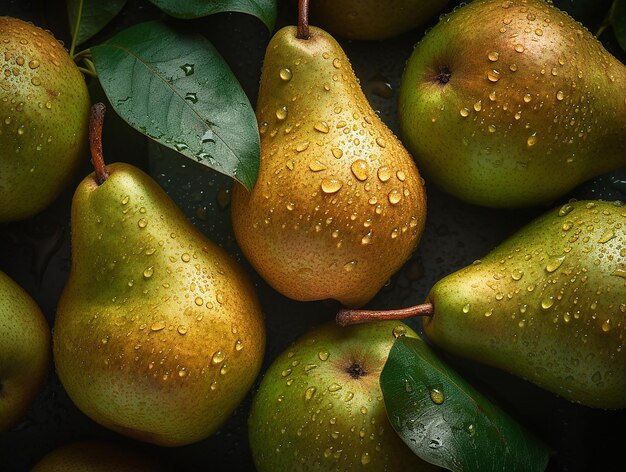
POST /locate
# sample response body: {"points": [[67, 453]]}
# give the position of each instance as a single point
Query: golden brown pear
{"points": [[338, 205]]}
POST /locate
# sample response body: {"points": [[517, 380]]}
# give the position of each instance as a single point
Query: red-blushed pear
{"points": [[24, 351], [512, 103], [338, 205], [158, 332]]}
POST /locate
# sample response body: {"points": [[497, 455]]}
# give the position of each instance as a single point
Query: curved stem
{"points": [[303, 19], [96, 120], [351, 317]]}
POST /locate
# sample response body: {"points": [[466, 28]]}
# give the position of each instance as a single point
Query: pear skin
{"points": [[548, 305], [338, 205], [373, 19], [534, 103], [320, 405], [43, 119], [25, 352], [158, 333]]}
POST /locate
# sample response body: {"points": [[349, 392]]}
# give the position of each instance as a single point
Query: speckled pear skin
{"points": [[372, 19], [25, 352], [512, 103], [158, 333], [311, 414], [339, 205], [43, 119], [548, 305]]}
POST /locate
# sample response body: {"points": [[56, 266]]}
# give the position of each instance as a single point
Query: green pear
{"points": [[533, 101], [96, 456], [339, 205], [43, 119], [24, 351], [548, 305], [320, 407], [373, 19], [158, 333]]}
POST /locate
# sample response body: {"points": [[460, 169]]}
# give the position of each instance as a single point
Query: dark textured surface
{"points": [[36, 254]]}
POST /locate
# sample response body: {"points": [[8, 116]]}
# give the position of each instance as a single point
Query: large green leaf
{"points": [[265, 10], [94, 15], [176, 88], [445, 421], [618, 21]]}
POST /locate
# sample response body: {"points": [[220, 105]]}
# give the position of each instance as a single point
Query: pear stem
{"points": [[96, 120], [303, 19], [351, 317]]}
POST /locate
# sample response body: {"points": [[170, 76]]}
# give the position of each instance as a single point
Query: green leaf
{"points": [[176, 88], [618, 21], [264, 10], [445, 421], [94, 15]]}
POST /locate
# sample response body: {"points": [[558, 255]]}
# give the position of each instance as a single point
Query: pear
{"points": [[548, 304], [339, 205], [24, 351], [43, 119], [536, 105], [96, 456], [320, 405], [373, 19], [158, 333]]}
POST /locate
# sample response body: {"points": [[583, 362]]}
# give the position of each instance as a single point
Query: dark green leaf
{"points": [[265, 10], [445, 421], [94, 15], [176, 88], [618, 21]]}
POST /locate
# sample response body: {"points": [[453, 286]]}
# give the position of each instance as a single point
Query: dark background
{"points": [[36, 254]]}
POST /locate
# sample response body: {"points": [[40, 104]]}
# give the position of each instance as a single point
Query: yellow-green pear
{"points": [[373, 19], [339, 205], [548, 305], [96, 456], [512, 103], [158, 332], [24, 351], [43, 119], [320, 406]]}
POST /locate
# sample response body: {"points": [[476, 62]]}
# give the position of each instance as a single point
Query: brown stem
{"points": [[350, 317], [96, 120], [303, 19]]}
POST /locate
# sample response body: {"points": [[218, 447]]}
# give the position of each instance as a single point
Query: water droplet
{"points": [[308, 394], [607, 236], [360, 169], [464, 112], [188, 69], [302, 146], [532, 140], [36, 81], [199, 301], [394, 196], [286, 372], [381, 142], [331, 185], [493, 56], [493, 75], [182, 329], [322, 127], [560, 95], [436, 396], [517, 274], [157, 326], [466, 308], [349, 266], [147, 273], [334, 387], [224, 369], [555, 263], [547, 302], [218, 357], [281, 113], [606, 325], [336, 63], [367, 239], [317, 166], [337, 153], [33, 64], [401, 176], [384, 174], [478, 105], [285, 74], [192, 97], [527, 98], [565, 209], [125, 199], [365, 458], [519, 47]]}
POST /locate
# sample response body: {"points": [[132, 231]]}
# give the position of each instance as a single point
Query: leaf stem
{"points": [[96, 120], [351, 317], [79, 14], [303, 19]]}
